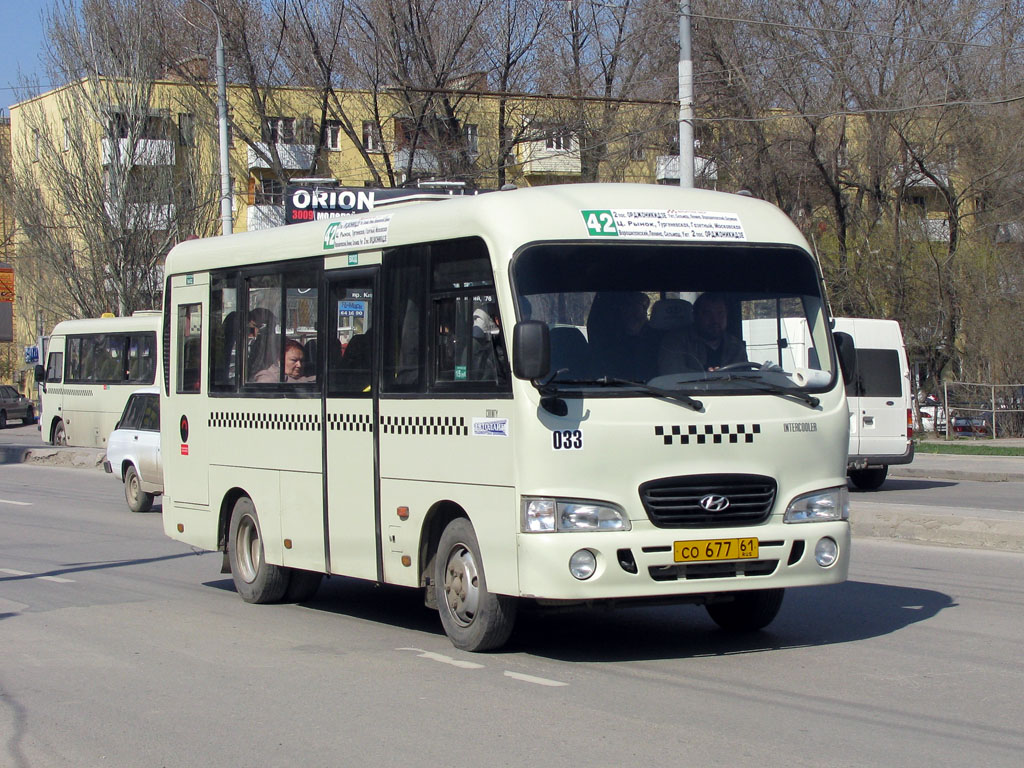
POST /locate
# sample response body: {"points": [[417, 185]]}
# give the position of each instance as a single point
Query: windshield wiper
{"points": [[551, 386], [774, 389]]}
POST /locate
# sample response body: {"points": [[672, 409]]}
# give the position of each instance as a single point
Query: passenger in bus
{"points": [[488, 344], [619, 346], [293, 357], [262, 345], [709, 346]]}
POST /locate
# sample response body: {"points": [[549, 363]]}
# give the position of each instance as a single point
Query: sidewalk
{"points": [[871, 515]]}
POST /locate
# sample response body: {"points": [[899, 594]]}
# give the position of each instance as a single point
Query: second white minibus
{"points": [[537, 395], [92, 366]]}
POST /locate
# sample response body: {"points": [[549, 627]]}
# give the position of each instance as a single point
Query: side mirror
{"points": [[847, 354], [531, 350], [40, 372]]}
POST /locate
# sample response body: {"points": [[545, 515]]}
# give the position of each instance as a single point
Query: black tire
{"points": [[473, 618], [870, 479], [30, 416], [747, 611], [3, 419], [302, 585], [138, 500], [60, 434], [255, 579]]}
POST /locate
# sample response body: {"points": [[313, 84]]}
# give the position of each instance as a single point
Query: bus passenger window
{"points": [[189, 357], [55, 367]]}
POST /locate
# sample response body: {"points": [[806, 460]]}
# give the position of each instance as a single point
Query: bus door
{"points": [[186, 454], [350, 446]]}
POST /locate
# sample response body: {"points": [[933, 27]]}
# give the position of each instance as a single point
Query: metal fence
{"points": [[981, 410]]}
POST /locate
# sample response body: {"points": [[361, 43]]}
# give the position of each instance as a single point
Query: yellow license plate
{"points": [[714, 549]]}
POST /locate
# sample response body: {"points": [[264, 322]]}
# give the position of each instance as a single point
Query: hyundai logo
{"points": [[714, 503]]}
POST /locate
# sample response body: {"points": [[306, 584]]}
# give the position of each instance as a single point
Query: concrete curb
{"points": [[927, 525], [953, 474], [85, 458]]}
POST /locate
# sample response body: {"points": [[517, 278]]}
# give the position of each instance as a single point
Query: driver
{"points": [[710, 346]]}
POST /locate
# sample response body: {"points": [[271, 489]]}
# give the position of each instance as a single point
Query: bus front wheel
{"points": [[473, 618], [256, 580], [60, 435], [747, 611]]}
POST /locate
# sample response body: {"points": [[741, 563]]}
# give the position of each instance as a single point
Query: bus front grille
{"points": [[690, 571], [696, 501]]}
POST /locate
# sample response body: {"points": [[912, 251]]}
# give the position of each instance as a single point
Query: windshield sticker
{"points": [[701, 434], [490, 427], [567, 440], [664, 224], [357, 233]]}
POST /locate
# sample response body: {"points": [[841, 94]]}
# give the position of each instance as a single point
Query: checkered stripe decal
{"points": [[69, 391], [702, 434], [424, 425], [349, 422], [289, 422]]}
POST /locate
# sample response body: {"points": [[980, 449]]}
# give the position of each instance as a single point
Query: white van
{"points": [[881, 411]]}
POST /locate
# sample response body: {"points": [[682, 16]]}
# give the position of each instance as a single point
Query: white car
{"points": [[133, 450]]}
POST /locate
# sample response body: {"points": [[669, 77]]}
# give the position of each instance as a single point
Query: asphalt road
{"points": [[122, 647]]}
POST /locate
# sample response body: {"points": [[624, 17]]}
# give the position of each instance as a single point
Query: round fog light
{"points": [[583, 564], [826, 552]]}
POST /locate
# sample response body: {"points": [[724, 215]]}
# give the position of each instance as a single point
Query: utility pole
{"points": [[226, 223], [685, 98]]}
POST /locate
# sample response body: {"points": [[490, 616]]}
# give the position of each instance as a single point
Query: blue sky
{"points": [[21, 42]]}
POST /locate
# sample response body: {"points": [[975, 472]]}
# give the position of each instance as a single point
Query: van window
{"points": [[878, 374]]}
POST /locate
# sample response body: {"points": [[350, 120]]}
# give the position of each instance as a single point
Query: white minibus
{"points": [[92, 366], [533, 395], [879, 395]]}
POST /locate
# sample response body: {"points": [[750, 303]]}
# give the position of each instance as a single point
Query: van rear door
{"points": [[879, 394]]}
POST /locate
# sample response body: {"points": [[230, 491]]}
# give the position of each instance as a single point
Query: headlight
{"points": [[540, 515], [820, 506]]}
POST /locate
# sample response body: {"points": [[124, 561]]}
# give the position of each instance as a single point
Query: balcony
{"points": [[667, 170], [294, 157], [264, 217], [423, 161], [153, 217], [539, 160], [147, 152]]}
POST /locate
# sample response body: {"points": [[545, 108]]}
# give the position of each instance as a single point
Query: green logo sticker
{"points": [[600, 223], [460, 373], [353, 259]]}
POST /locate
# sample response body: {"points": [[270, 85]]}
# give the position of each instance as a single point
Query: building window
{"points": [[558, 138], [268, 191], [332, 135], [278, 130], [371, 137], [471, 135], [186, 129]]}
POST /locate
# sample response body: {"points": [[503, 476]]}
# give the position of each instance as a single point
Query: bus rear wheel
{"points": [[138, 500], [256, 580], [747, 611], [473, 618]]}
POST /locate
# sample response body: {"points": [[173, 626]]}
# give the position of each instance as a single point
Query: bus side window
{"points": [[189, 363], [55, 367]]}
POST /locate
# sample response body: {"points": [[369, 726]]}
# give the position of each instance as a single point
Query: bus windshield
{"points": [[700, 319]]}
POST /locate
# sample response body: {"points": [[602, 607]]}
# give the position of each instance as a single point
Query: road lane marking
{"points": [[462, 664], [16, 503], [56, 579], [534, 680]]}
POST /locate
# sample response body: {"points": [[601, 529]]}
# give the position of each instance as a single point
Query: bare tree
{"points": [[101, 191]]}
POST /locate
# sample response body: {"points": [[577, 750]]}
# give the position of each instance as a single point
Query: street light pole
{"points": [[685, 98], [227, 225]]}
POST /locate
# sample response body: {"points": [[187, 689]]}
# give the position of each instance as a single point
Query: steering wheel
{"points": [[740, 366]]}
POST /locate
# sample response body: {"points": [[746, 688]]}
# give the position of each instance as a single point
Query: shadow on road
{"points": [[812, 616], [905, 484]]}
